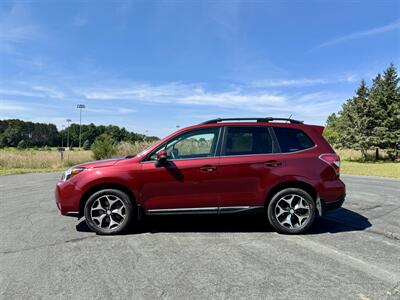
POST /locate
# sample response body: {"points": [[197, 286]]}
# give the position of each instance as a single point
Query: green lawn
{"points": [[380, 168]]}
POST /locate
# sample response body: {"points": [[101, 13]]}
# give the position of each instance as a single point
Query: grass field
{"points": [[14, 161], [381, 168]]}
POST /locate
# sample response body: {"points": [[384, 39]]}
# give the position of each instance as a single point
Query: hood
{"points": [[100, 163]]}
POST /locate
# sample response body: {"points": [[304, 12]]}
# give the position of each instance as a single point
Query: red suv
{"points": [[284, 168]]}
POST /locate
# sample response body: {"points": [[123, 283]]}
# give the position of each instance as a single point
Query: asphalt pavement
{"points": [[353, 253]]}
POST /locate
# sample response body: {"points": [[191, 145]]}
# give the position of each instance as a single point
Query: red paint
{"points": [[213, 181]]}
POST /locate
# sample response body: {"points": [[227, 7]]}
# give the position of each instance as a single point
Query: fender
{"points": [[294, 181]]}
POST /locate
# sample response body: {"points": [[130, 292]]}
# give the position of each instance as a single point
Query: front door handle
{"points": [[273, 163], [208, 168]]}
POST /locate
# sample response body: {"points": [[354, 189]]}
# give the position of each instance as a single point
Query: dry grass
{"points": [[355, 155], [35, 159], [15, 161], [125, 148]]}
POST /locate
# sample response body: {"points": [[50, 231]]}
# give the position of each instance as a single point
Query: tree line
{"points": [[18, 133], [371, 118]]}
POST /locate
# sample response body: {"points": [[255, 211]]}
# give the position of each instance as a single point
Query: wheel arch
{"points": [[292, 184], [102, 186]]}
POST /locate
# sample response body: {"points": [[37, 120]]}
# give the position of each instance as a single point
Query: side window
{"points": [[194, 144], [247, 140], [291, 139]]}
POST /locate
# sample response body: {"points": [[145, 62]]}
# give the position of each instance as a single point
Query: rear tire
{"points": [[109, 211], [291, 211]]}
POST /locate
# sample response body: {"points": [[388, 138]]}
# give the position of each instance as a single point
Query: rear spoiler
{"points": [[317, 128]]}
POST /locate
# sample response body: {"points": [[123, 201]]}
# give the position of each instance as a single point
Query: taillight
{"points": [[333, 160]]}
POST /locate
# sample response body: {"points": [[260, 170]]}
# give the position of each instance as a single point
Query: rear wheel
{"points": [[109, 211], [291, 211]]}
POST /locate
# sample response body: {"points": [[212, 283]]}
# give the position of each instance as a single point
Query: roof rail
{"points": [[267, 119]]}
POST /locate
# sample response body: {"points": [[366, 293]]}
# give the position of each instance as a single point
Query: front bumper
{"points": [[67, 197]]}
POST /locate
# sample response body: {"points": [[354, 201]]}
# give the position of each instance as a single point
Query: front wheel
{"points": [[109, 211], [291, 211]]}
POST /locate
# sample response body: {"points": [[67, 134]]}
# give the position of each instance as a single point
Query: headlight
{"points": [[71, 172]]}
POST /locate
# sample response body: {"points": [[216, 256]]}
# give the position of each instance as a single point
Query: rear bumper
{"points": [[326, 206]]}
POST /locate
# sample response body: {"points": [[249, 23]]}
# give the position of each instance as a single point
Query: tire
{"points": [[109, 211], [291, 211]]}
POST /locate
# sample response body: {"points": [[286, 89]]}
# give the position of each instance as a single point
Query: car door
{"points": [[186, 180], [247, 165]]}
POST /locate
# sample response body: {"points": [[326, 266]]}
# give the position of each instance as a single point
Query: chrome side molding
{"points": [[202, 210]]}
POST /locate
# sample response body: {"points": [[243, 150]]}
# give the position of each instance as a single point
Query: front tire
{"points": [[291, 211], [109, 211]]}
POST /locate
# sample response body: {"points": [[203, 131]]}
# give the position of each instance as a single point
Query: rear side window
{"points": [[247, 140], [291, 139]]}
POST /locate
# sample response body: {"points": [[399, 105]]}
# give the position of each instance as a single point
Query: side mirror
{"points": [[162, 156]]}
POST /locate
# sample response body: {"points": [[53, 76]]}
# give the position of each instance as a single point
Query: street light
{"points": [[68, 121], [80, 106], [62, 136]]}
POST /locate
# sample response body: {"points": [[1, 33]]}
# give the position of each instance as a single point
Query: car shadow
{"points": [[339, 220]]}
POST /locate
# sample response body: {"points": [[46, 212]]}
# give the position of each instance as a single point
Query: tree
{"points": [[3, 141], [385, 92], [103, 147], [358, 122], [331, 131], [12, 131]]}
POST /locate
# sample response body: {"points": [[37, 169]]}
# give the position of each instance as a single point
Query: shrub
{"points": [[103, 147], [22, 144], [128, 148], [86, 145]]}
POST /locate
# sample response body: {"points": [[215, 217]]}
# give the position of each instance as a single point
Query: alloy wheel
{"points": [[292, 211], [108, 212]]}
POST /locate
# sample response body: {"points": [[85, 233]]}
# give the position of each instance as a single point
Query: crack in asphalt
{"points": [[393, 293], [76, 240]]}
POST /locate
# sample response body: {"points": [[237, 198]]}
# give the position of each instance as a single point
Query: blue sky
{"points": [[151, 65]]}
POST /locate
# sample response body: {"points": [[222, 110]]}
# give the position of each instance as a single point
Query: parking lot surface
{"points": [[353, 253]]}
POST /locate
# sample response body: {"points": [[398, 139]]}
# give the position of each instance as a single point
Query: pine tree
{"points": [[392, 107], [357, 121], [385, 94]]}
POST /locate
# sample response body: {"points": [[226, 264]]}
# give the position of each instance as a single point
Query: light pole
{"points": [[62, 136], [80, 106], [68, 121]]}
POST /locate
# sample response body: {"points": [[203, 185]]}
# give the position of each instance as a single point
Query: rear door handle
{"points": [[273, 163], [208, 168]]}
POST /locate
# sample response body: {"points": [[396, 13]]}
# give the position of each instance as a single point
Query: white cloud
{"points": [[360, 34], [302, 82], [34, 92], [288, 82], [124, 110], [11, 106], [184, 94], [15, 29], [113, 111], [48, 92]]}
